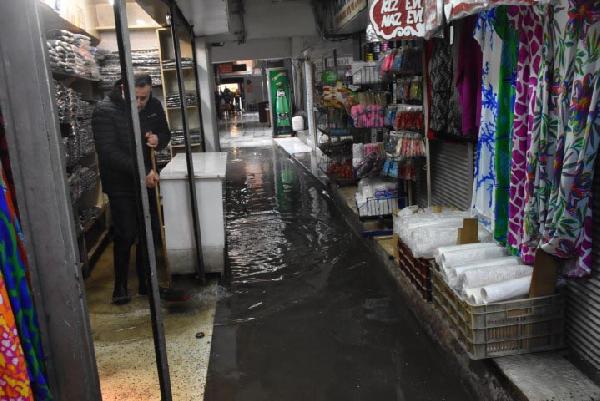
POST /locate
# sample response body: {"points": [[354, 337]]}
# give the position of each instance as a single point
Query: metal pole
{"points": [[38, 166], [198, 95], [158, 330], [199, 265]]}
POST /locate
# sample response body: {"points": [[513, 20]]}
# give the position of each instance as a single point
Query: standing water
{"points": [[308, 318]]}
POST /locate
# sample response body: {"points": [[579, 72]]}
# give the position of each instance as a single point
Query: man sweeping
{"points": [[115, 146]]}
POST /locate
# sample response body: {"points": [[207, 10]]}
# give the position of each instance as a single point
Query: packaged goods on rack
{"points": [[358, 150], [372, 162], [143, 61], [375, 197], [406, 59], [186, 62], [405, 144], [365, 73], [72, 54], [174, 100], [408, 118], [408, 90], [163, 156], [370, 110], [177, 137]]}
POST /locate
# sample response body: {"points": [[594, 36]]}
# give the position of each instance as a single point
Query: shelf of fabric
{"points": [[62, 76], [54, 22]]}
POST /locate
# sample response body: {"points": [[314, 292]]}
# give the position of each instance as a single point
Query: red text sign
{"points": [[397, 19]]}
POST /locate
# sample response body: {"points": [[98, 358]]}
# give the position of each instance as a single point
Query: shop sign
{"points": [[397, 19], [349, 10]]}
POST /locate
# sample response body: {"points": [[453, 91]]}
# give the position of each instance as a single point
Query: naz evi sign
{"points": [[397, 19]]}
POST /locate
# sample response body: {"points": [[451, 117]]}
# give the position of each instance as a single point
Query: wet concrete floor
{"points": [[308, 317]]}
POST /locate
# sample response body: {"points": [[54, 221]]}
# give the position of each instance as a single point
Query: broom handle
{"points": [[163, 241]]}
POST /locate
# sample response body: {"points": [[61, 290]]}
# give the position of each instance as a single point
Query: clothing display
{"points": [[468, 76], [174, 100], [504, 122], [13, 266], [143, 61], [72, 54], [186, 62], [529, 26], [177, 137], [483, 203]]}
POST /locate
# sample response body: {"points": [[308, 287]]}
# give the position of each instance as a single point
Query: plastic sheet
{"points": [[485, 276], [440, 252], [452, 275], [506, 290], [473, 296], [461, 257]]}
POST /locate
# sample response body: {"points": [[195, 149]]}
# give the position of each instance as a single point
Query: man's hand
{"points": [[152, 179], [151, 139]]}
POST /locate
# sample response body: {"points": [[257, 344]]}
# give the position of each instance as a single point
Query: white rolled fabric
{"points": [[453, 273], [445, 249], [473, 295], [505, 290], [460, 257], [486, 276], [358, 151]]}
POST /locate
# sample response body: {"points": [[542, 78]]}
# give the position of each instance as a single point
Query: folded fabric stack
{"points": [[75, 115], [483, 273], [174, 100], [143, 61], [72, 54], [185, 62], [177, 137], [75, 186], [163, 156], [424, 231]]}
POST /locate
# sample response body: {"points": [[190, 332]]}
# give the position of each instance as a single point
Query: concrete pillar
{"points": [[206, 77], [310, 112]]}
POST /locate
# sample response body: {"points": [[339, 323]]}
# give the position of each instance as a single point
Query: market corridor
{"points": [[308, 318]]}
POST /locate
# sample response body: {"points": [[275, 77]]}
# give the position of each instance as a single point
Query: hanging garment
{"points": [[468, 76], [14, 379], [485, 175], [542, 147], [528, 24], [13, 268], [568, 229], [504, 122]]}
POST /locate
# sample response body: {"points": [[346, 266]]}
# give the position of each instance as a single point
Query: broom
{"points": [[168, 293]]}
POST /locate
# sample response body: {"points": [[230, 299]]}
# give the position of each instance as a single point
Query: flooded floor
{"points": [[308, 317]]}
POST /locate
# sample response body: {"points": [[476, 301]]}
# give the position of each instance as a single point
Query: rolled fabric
{"points": [[505, 290], [464, 256], [486, 276], [473, 295], [445, 249], [453, 273]]}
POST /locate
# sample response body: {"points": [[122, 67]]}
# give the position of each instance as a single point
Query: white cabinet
{"points": [[209, 170]]}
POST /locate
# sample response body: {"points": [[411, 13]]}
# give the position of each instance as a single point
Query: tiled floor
{"points": [[244, 131]]}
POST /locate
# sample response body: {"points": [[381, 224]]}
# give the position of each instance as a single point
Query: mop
{"points": [[167, 293]]}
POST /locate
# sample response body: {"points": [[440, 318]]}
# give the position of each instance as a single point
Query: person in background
{"points": [[115, 146]]}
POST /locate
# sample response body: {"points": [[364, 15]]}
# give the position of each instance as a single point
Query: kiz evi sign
{"points": [[397, 19]]}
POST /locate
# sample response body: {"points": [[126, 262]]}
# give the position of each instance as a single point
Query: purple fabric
{"points": [[468, 82]]}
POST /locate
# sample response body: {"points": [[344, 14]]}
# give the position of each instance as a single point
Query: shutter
{"points": [[583, 298], [451, 174]]}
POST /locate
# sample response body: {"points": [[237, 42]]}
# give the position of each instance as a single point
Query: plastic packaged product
{"points": [[424, 241], [506, 290], [473, 296], [462, 257], [452, 275], [486, 276], [446, 249]]}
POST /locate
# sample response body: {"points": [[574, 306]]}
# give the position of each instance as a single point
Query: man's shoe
{"points": [[120, 297]]}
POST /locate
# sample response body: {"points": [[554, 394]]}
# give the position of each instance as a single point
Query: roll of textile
{"points": [[463, 256], [486, 276], [453, 273], [505, 290], [473, 296], [446, 249]]}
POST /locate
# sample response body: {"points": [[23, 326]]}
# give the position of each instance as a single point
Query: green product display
{"points": [[280, 97]]}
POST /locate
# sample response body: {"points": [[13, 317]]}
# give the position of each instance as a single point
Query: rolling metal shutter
{"points": [[583, 302], [451, 174]]}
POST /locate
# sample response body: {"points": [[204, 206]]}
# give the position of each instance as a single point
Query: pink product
{"points": [[369, 116], [372, 148]]}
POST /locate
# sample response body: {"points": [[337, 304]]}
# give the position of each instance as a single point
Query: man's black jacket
{"points": [[115, 145]]}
